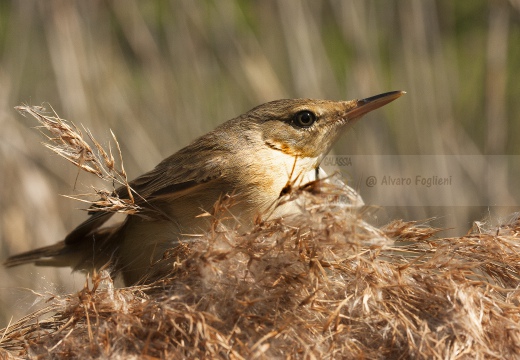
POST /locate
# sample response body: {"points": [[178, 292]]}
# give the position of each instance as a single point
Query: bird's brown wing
{"points": [[182, 170], [173, 177]]}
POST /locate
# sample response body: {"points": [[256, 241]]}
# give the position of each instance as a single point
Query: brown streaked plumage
{"points": [[252, 156]]}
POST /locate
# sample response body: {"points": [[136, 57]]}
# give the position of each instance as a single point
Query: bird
{"points": [[252, 157]]}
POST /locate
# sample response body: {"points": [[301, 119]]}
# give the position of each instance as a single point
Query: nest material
{"points": [[321, 284]]}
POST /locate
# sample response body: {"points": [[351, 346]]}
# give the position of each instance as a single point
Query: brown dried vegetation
{"points": [[323, 284], [68, 142]]}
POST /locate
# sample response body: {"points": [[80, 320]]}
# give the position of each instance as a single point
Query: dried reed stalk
{"points": [[68, 141]]}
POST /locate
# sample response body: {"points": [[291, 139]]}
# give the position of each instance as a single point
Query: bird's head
{"points": [[306, 128]]}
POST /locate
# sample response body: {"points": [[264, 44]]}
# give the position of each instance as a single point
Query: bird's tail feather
{"points": [[52, 255]]}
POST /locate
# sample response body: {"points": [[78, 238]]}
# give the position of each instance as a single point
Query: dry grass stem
{"points": [[67, 141]]}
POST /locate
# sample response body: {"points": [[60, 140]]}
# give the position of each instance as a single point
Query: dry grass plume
{"points": [[67, 140]]}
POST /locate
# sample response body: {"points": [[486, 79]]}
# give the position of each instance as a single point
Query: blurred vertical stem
{"points": [[496, 77]]}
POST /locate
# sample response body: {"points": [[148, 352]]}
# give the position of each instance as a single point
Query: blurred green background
{"points": [[160, 73]]}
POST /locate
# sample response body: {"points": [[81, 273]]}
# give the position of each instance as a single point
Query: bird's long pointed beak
{"points": [[374, 102]]}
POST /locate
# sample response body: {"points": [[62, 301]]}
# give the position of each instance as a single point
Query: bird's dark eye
{"points": [[304, 119]]}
